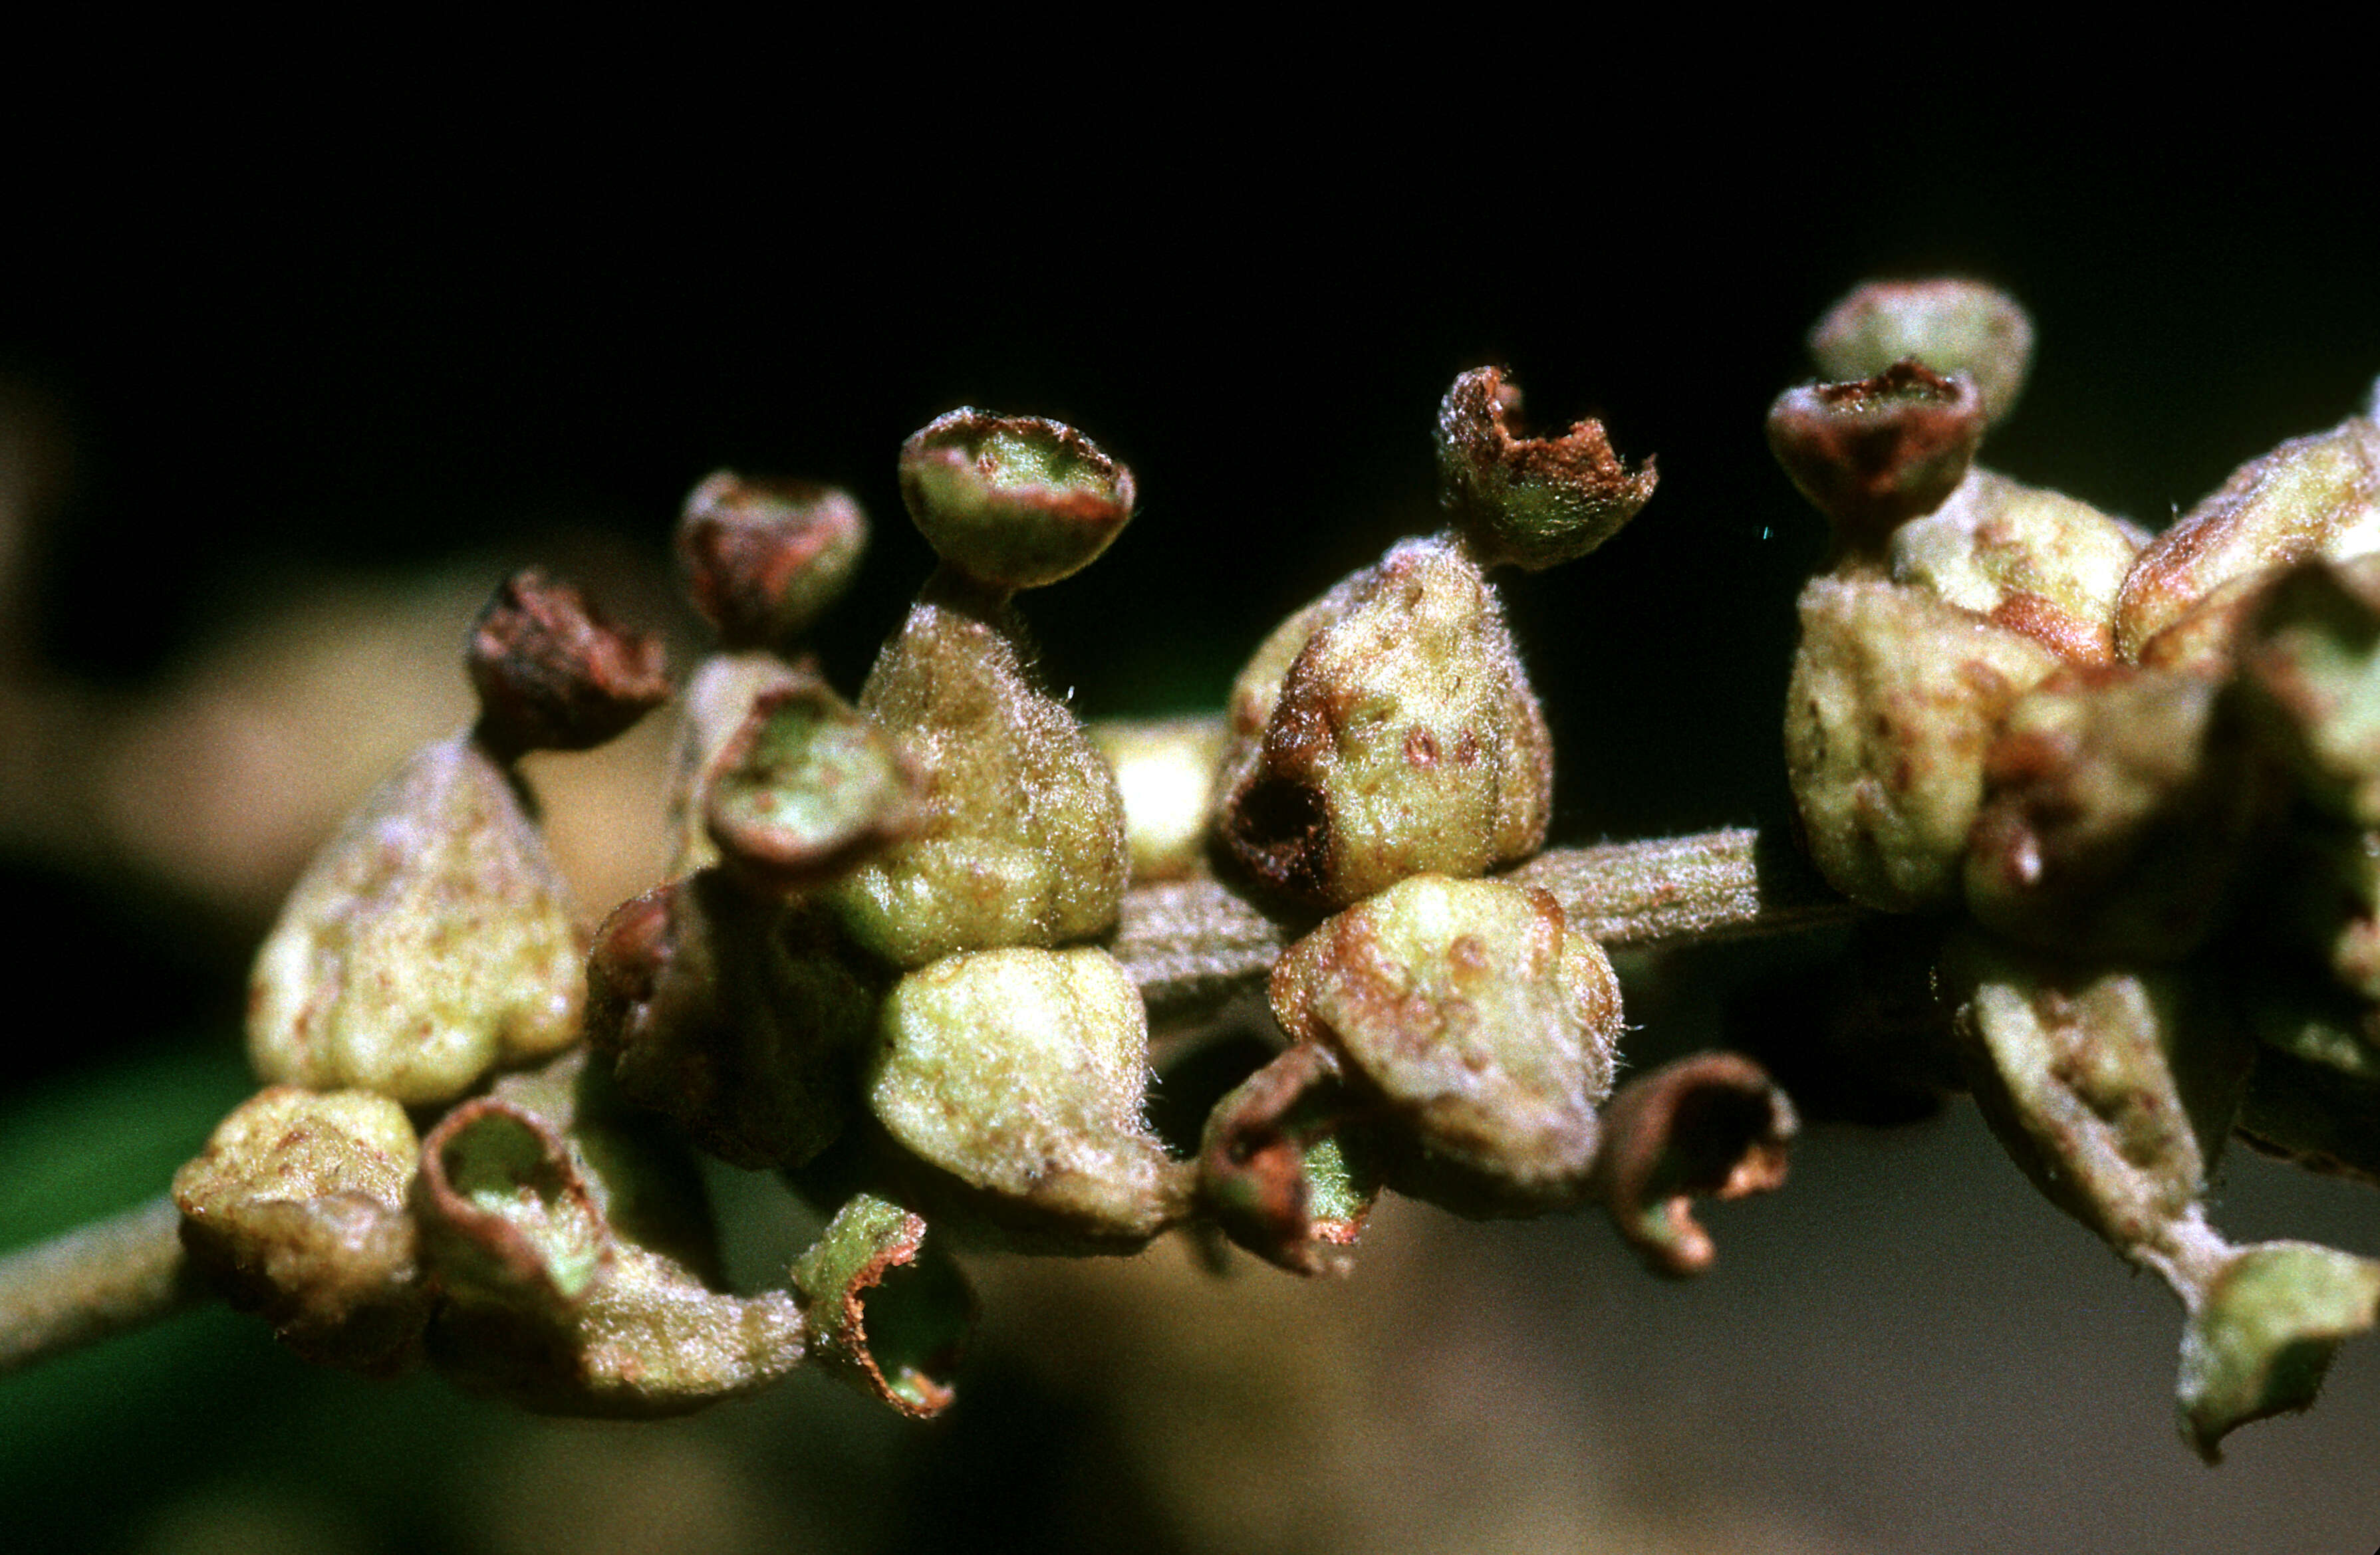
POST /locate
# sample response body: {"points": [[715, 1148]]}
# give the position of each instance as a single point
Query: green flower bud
{"points": [[2033, 560], [2260, 1341], [1014, 502], [1469, 1011], [2315, 497], [808, 789], [888, 1314], [1895, 698], [297, 1209], [553, 675], [2118, 805], [1023, 1073], [1951, 326], [1023, 837], [2310, 678], [548, 1302], [733, 1014], [763, 560], [1386, 731], [428, 942], [1165, 771], [1528, 502], [718, 703], [1873, 452]]}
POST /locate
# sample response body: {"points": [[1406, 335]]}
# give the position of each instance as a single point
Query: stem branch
{"points": [[101, 1279]]}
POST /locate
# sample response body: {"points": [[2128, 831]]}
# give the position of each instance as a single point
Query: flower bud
{"points": [[428, 942], [1476, 1019], [1165, 772], [2313, 497], [1022, 841], [1528, 502], [551, 1303], [2030, 559], [732, 1014], [1023, 1073], [296, 1208], [1014, 502], [903, 1341], [1873, 452], [1951, 326], [553, 675], [1896, 696], [763, 560], [1386, 731], [808, 789], [2118, 805]]}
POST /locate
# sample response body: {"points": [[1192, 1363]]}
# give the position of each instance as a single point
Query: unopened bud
{"points": [[2032, 560]]}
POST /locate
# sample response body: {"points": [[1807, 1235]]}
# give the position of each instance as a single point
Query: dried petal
{"points": [[808, 790], [1022, 839], [1873, 453], [2033, 560], [2118, 805], [2261, 1339], [735, 1016], [1529, 501], [1403, 736], [1714, 1126], [428, 942], [297, 1209], [1480, 1023], [1165, 770], [903, 1341], [764, 558], [553, 675], [1024, 1073], [1953, 326], [1895, 698], [1014, 502], [2313, 497]]}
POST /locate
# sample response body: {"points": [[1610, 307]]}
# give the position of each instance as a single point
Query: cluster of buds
{"points": [[2129, 787], [880, 964]]}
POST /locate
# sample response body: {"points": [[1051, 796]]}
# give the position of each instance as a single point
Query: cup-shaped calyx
{"points": [[886, 1312], [428, 942], [2119, 803], [554, 675], [1953, 326], [1872, 453], [297, 1209], [731, 1013], [1529, 501], [1895, 700], [808, 789], [2030, 559], [550, 1301], [763, 560], [1014, 502], [1021, 1075], [1021, 837], [2314, 497], [1475, 1024], [2112, 1090], [1386, 730]]}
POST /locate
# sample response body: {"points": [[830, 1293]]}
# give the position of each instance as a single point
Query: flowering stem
{"points": [[106, 1278]]}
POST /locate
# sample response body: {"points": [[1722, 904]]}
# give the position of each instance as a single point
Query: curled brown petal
{"points": [[554, 675], [1257, 1166], [921, 1316], [1529, 501], [1712, 1126]]}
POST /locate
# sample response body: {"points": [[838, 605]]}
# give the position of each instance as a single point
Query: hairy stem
{"points": [[101, 1279]]}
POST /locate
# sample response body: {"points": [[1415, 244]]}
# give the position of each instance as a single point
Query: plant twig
{"points": [[98, 1280]]}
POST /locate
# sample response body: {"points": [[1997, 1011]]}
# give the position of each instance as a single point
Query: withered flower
{"points": [[1526, 502], [1014, 502], [1873, 452], [554, 675], [763, 560], [886, 1312]]}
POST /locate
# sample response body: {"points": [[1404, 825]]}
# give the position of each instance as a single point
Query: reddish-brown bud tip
{"points": [[553, 675], [763, 560], [1873, 452]]}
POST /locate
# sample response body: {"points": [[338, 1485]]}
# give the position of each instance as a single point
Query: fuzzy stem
{"points": [[106, 1278]]}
